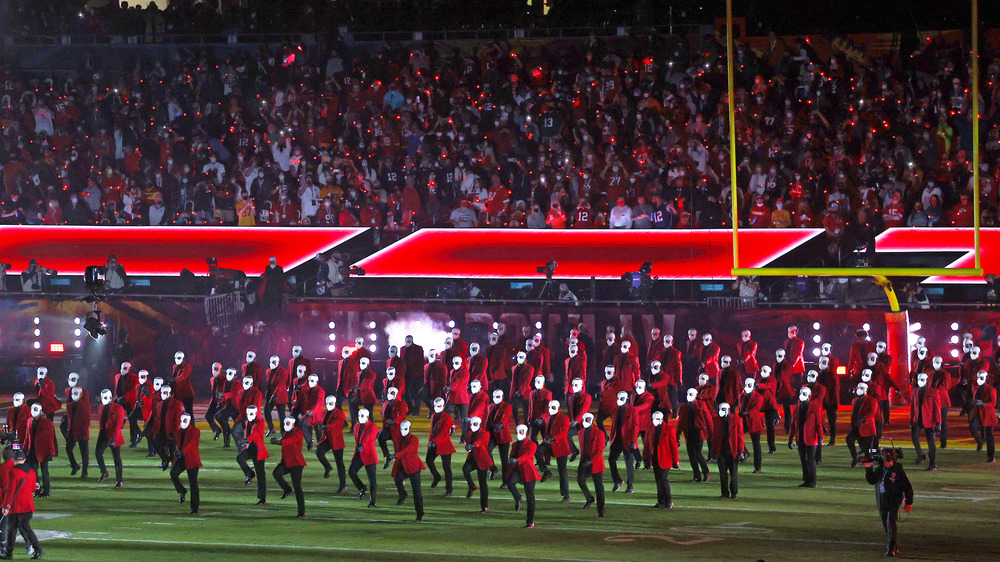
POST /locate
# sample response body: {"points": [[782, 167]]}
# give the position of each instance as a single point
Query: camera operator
{"points": [[115, 278], [33, 279], [891, 488], [3, 276]]}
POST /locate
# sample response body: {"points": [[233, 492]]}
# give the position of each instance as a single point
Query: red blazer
{"points": [[627, 368], [440, 434], [986, 413], [128, 388], [497, 362], [17, 420], [435, 377], [768, 389], [672, 365], [248, 398], [255, 434], [480, 441], [710, 357], [664, 446], [366, 380], [558, 431], [520, 380], [859, 355], [524, 452], [78, 418], [46, 394], [750, 408], [707, 394], [592, 443], [333, 432], [364, 435], [629, 428], [111, 430], [479, 369], [188, 441], [576, 368], [312, 400], [643, 406], [793, 354], [812, 427], [730, 386], [539, 400], [458, 380], [277, 384], [941, 380], [182, 381], [407, 456], [609, 395], [171, 422], [577, 405], [930, 410], [782, 373], [291, 448], [748, 356], [818, 392], [400, 381], [736, 443], [478, 403], [702, 418], [293, 366], [831, 382], [256, 371], [499, 415], [40, 439], [863, 415], [21, 480]]}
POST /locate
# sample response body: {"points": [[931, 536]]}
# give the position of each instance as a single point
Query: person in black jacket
{"points": [[892, 487]]}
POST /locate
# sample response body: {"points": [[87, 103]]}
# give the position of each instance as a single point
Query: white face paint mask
{"points": [[364, 362], [668, 341], [702, 380], [432, 356], [157, 384], [880, 347], [922, 341], [539, 382], [251, 413], [779, 355], [974, 354], [494, 339], [230, 374], [456, 363], [553, 407], [390, 373], [749, 385], [185, 421], [824, 363], [812, 376], [573, 350], [872, 359], [921, 380], [765, 372], [18, 400], [826, 349], [657, 419], [804, 395], [706, 339], [588, 420], [288, 424], [448, 342], [36, 410], [626, 346], [438, 405], [922, 353], [640, 387], [216, 369], [475, 387], [363, 415], [521, 357], [143, 377], [937, 362], [313, 381], [522, 432], [296, 351], [498, 397], [41, 373], [345, 352], [981, 377], [866, 375], [724, 410], [76, 394], [692, 395], [745, 336], [331, 403], [178, 358], [106, 397], [275, 361], [251, 356], [164, 393], [393, 352], [126, 367], [611, 339], [359, 342], [655, 367], [300, 371], [72, 380], [404, 428], [475, 423], [391, 394], [536, 341], [863, 389], [622, 398], [725, 361], [529, 345], [247, 383], [577, 385], [473, 350]]}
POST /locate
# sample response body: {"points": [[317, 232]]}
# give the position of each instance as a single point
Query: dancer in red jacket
{"points": [[332, 439], [181, 382], [983, 417], [393, 414], [694, 420], [110, 419], [522, 471], [477, 443], [664, 453], [187, 458], [253, 449], [18, 505], [365, 455], [751, 410], [925, 416], [555, 443], [439, 445], [592, 443], [292, 462], [40, 443], [78, 428], [729, 448], [408, 465], [807, 431]]}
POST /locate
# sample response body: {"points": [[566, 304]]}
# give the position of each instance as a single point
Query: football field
{"points": [[955, 517]]}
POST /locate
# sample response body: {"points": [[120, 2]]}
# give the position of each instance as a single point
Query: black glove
{"points": [[790, 444], [447, 390], [634, 449], [469, 447], [548, 440], [390, 422], [297, 387], [597, 396], [586, 463], [179, 454], [538, 422], [432, 445], [512, 461], [573, 425], [497, 427], [309, 414], [361, 448], [275, 441], [980, 403], [937, 428]]}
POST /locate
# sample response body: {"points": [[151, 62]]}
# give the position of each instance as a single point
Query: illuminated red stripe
{"points": [[946, 240], [605, 254], [158, 250]]}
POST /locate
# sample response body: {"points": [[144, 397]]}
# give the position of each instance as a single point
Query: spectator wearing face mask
{"points": [[620, 215], [780, 217]]}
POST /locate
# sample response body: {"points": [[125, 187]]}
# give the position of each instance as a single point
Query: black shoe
{"points": [[149, 455], [529, 525], [165, 466], [920, 459], [194, 512], [388, 461], [944, 445], [309, 446], [326, 472], [707, 476], [617, 486], [435, 481], [269, 433], [771, 451], [696, 480], [249, 478], [931, 468], [484, 510], [572, 457], [103, 477], [630, 490], [119, 484], [991, 460], [979, 447], [372, 504], [471, 492], [756, 471], [83, 475], [183, 495], [300, 516], [74, 470], [493, 472], [803, 485], [402, 499], [285, 494], [38, 554], [517, 504], [659, 506], [227, 446], [217, 435], [546, 475], [342, 489], [588, 503], [420, 517], [261, 502], [361, 494]]}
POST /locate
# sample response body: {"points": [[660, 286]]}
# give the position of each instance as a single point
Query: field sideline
{"points": [[955, 514]]}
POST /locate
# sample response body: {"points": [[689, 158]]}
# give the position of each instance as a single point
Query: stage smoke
{"points": [[426, 332]]}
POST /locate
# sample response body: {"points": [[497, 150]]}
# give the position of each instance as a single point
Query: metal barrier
{"points": [[732, 302], [222, 310]]}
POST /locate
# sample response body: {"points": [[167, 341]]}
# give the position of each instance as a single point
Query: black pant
{"points": [[213, 410], [518, 402], [729, 474], [20, 522], [983, 435], [889, 518], [356, 465], [931, 448], [338, 457], [188, 405], [192, 473], [296, 473], [164, 446], [445, 464], [807, 457], [460, 413], [225, 414], [133, 424], [944, 430], [582, 474], [384, 436], [694, 449], [831, 423], [770, 421], [412, 397], [418, 498], [529, 493], [853, 437], [269, 407], [616, 451], [84, 453], [504, 451], [116, 454], [786, 409], [468, 468], [55, 442], [755, 440], [672, 395], [250, 453], [5, 524], [662, 475], [573, 431], [41, 470], [884, 406]]}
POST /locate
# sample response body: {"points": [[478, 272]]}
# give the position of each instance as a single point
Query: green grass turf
{"points": [[955, 515]]}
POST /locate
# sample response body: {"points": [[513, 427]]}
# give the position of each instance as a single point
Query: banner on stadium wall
{"points": [[466, 253]]}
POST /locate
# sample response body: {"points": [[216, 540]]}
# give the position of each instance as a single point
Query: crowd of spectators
{"points": [[592, 133]]}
